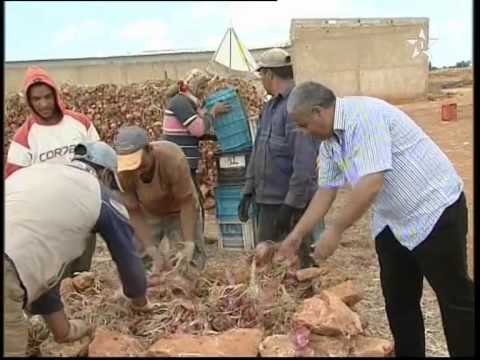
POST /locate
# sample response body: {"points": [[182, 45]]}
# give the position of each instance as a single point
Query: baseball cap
{"points": [[274, 58], [129, 144]]}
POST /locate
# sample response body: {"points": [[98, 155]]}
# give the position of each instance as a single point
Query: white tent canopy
{"points": [[232, 57]]}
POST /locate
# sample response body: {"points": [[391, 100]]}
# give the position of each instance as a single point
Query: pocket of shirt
{"points": [[280, 153], [279, 146]]}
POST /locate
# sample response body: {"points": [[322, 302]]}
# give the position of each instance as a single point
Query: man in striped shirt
{"points": [[419, 211]]}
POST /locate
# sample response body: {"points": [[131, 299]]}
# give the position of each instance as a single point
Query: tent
{"points": [[232, 58]]}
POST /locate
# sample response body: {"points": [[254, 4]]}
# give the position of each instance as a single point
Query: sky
{"points": [[73, 29]]}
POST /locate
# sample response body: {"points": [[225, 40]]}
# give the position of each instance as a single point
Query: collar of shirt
{"points": [[338, 121]]}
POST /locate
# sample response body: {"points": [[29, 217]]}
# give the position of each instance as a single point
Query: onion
{"points": [[110, 106], [264, 253]]}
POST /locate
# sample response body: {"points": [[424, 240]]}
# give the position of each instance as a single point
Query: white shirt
{"points": [[34, 143], [373, 136], [50, 209]]}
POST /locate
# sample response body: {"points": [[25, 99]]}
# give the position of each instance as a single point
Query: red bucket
{"points": [[449, 112]]}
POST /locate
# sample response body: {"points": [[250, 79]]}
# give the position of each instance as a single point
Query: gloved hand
{"points": [[243, 207], [284, 218], [186, 254]]}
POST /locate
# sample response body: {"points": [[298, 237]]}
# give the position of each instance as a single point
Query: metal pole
{"points": [[230, 58]]}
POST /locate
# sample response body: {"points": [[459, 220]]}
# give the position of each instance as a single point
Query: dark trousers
{"points": [[441, 259], [266, 216], [84, 262]]}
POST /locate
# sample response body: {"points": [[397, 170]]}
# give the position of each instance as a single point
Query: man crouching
{"points": [[161, 199], [50, 209]]}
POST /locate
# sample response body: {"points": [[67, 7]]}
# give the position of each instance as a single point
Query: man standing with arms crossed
{"points": [[50, 135]]}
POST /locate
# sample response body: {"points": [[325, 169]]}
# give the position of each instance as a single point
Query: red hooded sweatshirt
{"points": [[36, 141]]}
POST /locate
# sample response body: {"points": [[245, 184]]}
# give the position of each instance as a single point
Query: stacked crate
{"points": [[235, 141]]}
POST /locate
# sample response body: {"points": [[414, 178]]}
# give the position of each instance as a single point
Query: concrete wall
{"points": [[116, 70], [361, 56], [352, 56]]}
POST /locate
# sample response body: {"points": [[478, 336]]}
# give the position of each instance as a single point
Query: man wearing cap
{"points": [[160, 196], [281, 175], [50, 209]]}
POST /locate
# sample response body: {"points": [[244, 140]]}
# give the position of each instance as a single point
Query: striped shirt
{"points": [[372, 136]]}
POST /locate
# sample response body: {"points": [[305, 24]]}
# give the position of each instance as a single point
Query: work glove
{"points": [[243, 207], [186, 254], [284, 219]]}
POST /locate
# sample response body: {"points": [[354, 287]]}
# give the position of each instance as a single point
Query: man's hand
{"points": [[219, 109], [328, 243], [243, 207], [186, 254], [287, 250]]}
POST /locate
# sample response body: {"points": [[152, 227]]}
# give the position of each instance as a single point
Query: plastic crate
{"points": [[236, 235], [227, 198], [232, 168], [232, 129]]}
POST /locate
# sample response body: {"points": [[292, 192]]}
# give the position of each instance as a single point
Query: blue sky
{"points": [[69, 29]]}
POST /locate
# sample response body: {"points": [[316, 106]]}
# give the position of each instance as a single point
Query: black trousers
{"points": [[441, 259], [266, 215]]}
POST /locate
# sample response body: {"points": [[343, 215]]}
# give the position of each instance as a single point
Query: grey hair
{"points": [[309, 94]]}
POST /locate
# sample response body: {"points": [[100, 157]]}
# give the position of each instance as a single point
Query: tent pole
{"points": [[241, 50]]}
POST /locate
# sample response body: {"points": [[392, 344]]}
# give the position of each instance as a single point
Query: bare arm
{"points": [[319, 206], [141, 228], [137, 219], [359, 200]]}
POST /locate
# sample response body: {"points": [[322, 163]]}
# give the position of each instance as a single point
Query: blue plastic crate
{"points": [[232, 129], [227, 199], [237, 236], [232, 235]]}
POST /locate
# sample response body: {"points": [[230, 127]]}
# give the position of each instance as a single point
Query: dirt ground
{"points": [[356, 256]]}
